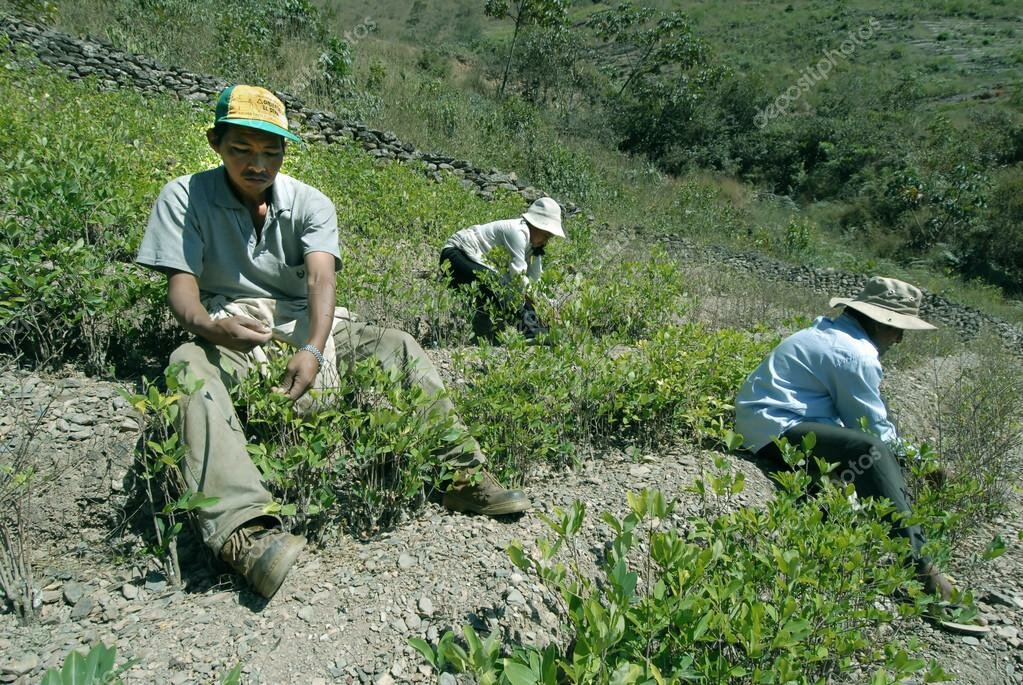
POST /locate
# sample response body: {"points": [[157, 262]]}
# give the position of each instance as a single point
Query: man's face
{"points": [[886, 336], [251, 157], [537, 236]]}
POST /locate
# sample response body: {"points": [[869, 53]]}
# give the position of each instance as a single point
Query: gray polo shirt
{"points": [[198, 225]]}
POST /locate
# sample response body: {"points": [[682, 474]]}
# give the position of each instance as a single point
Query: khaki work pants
{"points": [[217, 462]]}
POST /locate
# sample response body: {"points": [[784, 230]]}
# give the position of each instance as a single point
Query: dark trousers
{"points": [[463, 271], [865, 461]]}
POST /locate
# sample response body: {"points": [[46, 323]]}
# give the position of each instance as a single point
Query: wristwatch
{"points": [[311, 349]]}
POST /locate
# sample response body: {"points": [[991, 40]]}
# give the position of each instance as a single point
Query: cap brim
{"points": [[884, 316], [261, 126]]}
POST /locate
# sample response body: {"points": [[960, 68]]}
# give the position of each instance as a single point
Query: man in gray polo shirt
{"points": [[250, 255]]}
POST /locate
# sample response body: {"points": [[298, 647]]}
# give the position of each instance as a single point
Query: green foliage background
{"points": [[902, 160]]}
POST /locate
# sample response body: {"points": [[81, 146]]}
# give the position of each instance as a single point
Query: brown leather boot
{"points": [[487, 496], [262, 555]]}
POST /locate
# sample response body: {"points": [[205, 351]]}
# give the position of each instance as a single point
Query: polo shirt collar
{"points": [[282, 194]]}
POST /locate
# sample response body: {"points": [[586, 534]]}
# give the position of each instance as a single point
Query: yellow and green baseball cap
{"points": [[253, 107]]}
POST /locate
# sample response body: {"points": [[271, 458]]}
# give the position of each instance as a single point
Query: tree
{"points": [[547, 63], [659, 70], [647, 46], [540, 13], [415, 16]]}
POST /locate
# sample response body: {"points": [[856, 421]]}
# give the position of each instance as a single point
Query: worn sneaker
{"points": [[486, 497], [262, 555]]}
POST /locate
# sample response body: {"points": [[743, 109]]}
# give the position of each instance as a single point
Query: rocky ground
{"points": [[346, 612]]}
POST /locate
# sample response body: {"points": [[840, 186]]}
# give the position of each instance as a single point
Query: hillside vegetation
{"points": [[728, 592], [911, 143], [904, 158]]}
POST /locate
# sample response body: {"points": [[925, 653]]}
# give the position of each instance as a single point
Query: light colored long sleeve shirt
{"points": [[828, 373], [511, 234]]}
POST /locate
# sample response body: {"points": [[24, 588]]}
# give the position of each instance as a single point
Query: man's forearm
{"points": [[194, 319], [188, 311], [322, 299]]}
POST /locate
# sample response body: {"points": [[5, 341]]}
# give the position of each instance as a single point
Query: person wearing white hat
{"points": [[826, 380], [464, 255]]}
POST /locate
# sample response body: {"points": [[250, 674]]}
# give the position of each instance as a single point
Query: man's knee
{"points": [[874, 448], [194, 358], [188, 352], [398, 343], [863, 453], [400, 349], [206, 364]]}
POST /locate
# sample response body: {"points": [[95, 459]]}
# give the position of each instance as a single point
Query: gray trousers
{"points": [[217, 462]]}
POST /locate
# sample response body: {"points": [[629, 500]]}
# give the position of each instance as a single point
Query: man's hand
{"points": [[320, 283], [299, 377], [240, 333]]}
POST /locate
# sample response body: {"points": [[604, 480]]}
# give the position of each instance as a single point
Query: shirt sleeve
{"points": [[319, 229], [516, 241], [856, 387], [172, 239]]}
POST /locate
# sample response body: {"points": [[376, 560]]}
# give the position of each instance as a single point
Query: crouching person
{"points": [[250, 256], [823, 380], [464, 255]]}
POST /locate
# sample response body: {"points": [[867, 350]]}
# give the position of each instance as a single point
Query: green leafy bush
{"points": [[97, 668], [159, 462], [996, 251], [356, 459], [532, 404], [631, 296], [71, 212], [976, 424], [94, 668], [782, 593]]}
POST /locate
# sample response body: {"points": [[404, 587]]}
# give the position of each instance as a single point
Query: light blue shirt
{"points": [[828, 373]]}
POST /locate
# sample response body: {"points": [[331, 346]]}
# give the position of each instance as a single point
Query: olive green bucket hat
{"points": [[889, 301]]}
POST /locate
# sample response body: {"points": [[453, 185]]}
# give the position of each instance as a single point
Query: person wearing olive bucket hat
{"points": [[825, 380], [464, 258]]}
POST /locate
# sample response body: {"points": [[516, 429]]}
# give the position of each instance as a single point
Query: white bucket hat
{"points": [[545, 214], [889, 301]]}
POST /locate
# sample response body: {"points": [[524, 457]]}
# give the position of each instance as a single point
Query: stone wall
{"points": [[80, 58], [92, 57]]}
